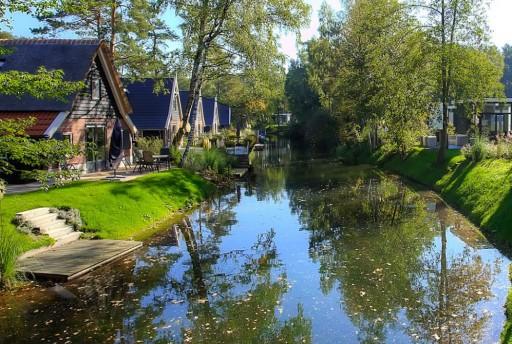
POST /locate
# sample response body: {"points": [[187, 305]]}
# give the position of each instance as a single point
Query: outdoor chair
{"points": [[148, 161], [167, 161], [137, 160]]}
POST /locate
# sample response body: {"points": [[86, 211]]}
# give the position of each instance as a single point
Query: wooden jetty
{"points": [[75, 259]]}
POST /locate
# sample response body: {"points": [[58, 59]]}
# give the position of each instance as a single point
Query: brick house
{"points": [[86, 117]]}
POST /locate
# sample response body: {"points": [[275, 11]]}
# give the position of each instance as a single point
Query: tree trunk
{"points": [[190, 240], [445, 91], [193, 116]]}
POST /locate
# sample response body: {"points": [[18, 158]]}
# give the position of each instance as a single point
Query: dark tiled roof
{"points": [[150, 110], [208, 108], [43, 120], [183, 101], [224, 115], [73, 57]]}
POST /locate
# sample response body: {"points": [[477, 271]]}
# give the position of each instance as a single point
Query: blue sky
{"points": [[500, 14]]}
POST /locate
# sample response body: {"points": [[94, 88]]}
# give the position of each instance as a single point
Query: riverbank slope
{"points": [[482, 191]]}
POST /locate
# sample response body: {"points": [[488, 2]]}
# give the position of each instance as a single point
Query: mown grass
{"points": [[115, 210], [483, 190]]}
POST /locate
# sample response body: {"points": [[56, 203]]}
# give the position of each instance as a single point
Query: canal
{"points": [[308, 251]]}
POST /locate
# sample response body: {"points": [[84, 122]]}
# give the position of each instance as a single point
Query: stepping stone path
{"points": [[48, 223]]}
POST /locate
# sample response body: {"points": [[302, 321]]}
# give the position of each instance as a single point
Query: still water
{"points": [[307, 252]]}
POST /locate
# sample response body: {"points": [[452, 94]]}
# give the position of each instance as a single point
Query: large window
{"points": [[95, 88], [95, 147]]}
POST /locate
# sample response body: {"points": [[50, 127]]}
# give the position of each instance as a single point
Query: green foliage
{"points": [[214, 160], [313, 127], [151, 144], [482, 190], [482, 149], [17, 147], [70, 215], [10, 249], [134, 29], [236, 37], [43, 84], [506, 334]]}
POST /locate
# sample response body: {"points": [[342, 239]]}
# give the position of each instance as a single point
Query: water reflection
{"points": [[305, 253]]}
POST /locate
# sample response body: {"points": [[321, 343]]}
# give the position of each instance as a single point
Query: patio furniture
{"points": [[149, 162], [164, 157], [137, 160]]}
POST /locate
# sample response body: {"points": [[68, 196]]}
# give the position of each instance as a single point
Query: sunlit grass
{"points": [[115, 210]]}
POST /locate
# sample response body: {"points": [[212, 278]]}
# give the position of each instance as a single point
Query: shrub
{"points": [[10, 249], [152, 144], [479, 150], [213, 160], [175, 154], [70, 215]]}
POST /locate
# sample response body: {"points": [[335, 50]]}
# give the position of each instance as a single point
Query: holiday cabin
{"points": [[200, 120], [157, 108], [211, 115], [224, 116], [85, 118]]}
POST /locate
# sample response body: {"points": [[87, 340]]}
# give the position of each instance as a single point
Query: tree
{"points": [[507, 75], [229, 35], [43, 83], [134, 29], [451, 24], [370, 71]]}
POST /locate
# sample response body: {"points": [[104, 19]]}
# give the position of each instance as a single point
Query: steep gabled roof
{"points": [[184, 100], [73, 56], [150, 110], [209, 110], [224, 114]]}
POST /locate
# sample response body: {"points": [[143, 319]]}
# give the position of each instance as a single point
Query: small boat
{"points": [[258, 147]]}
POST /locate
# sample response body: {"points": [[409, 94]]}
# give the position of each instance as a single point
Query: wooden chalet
{"points": [[86, 117]]}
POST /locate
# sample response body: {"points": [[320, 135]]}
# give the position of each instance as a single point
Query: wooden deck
{"points": [[75, 259]]}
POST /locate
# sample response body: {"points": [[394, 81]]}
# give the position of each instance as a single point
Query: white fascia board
{"points": [[57, 122]]}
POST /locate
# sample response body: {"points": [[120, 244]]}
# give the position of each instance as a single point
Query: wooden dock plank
{"points": [[75, 259]]}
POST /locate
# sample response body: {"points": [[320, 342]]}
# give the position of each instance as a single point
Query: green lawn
{"points": [[115, 210]]}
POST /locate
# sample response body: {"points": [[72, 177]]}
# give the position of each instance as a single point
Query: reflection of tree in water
{"points": [[451, 288], [238, 304], [222, 297], [370, 239]]}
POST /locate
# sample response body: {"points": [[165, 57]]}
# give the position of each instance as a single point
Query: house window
{"points": [[175, 105], [67, 137], [95, 89]]}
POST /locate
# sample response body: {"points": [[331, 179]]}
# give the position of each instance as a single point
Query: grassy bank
{"points": [[482, 191], [114, 210]]}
